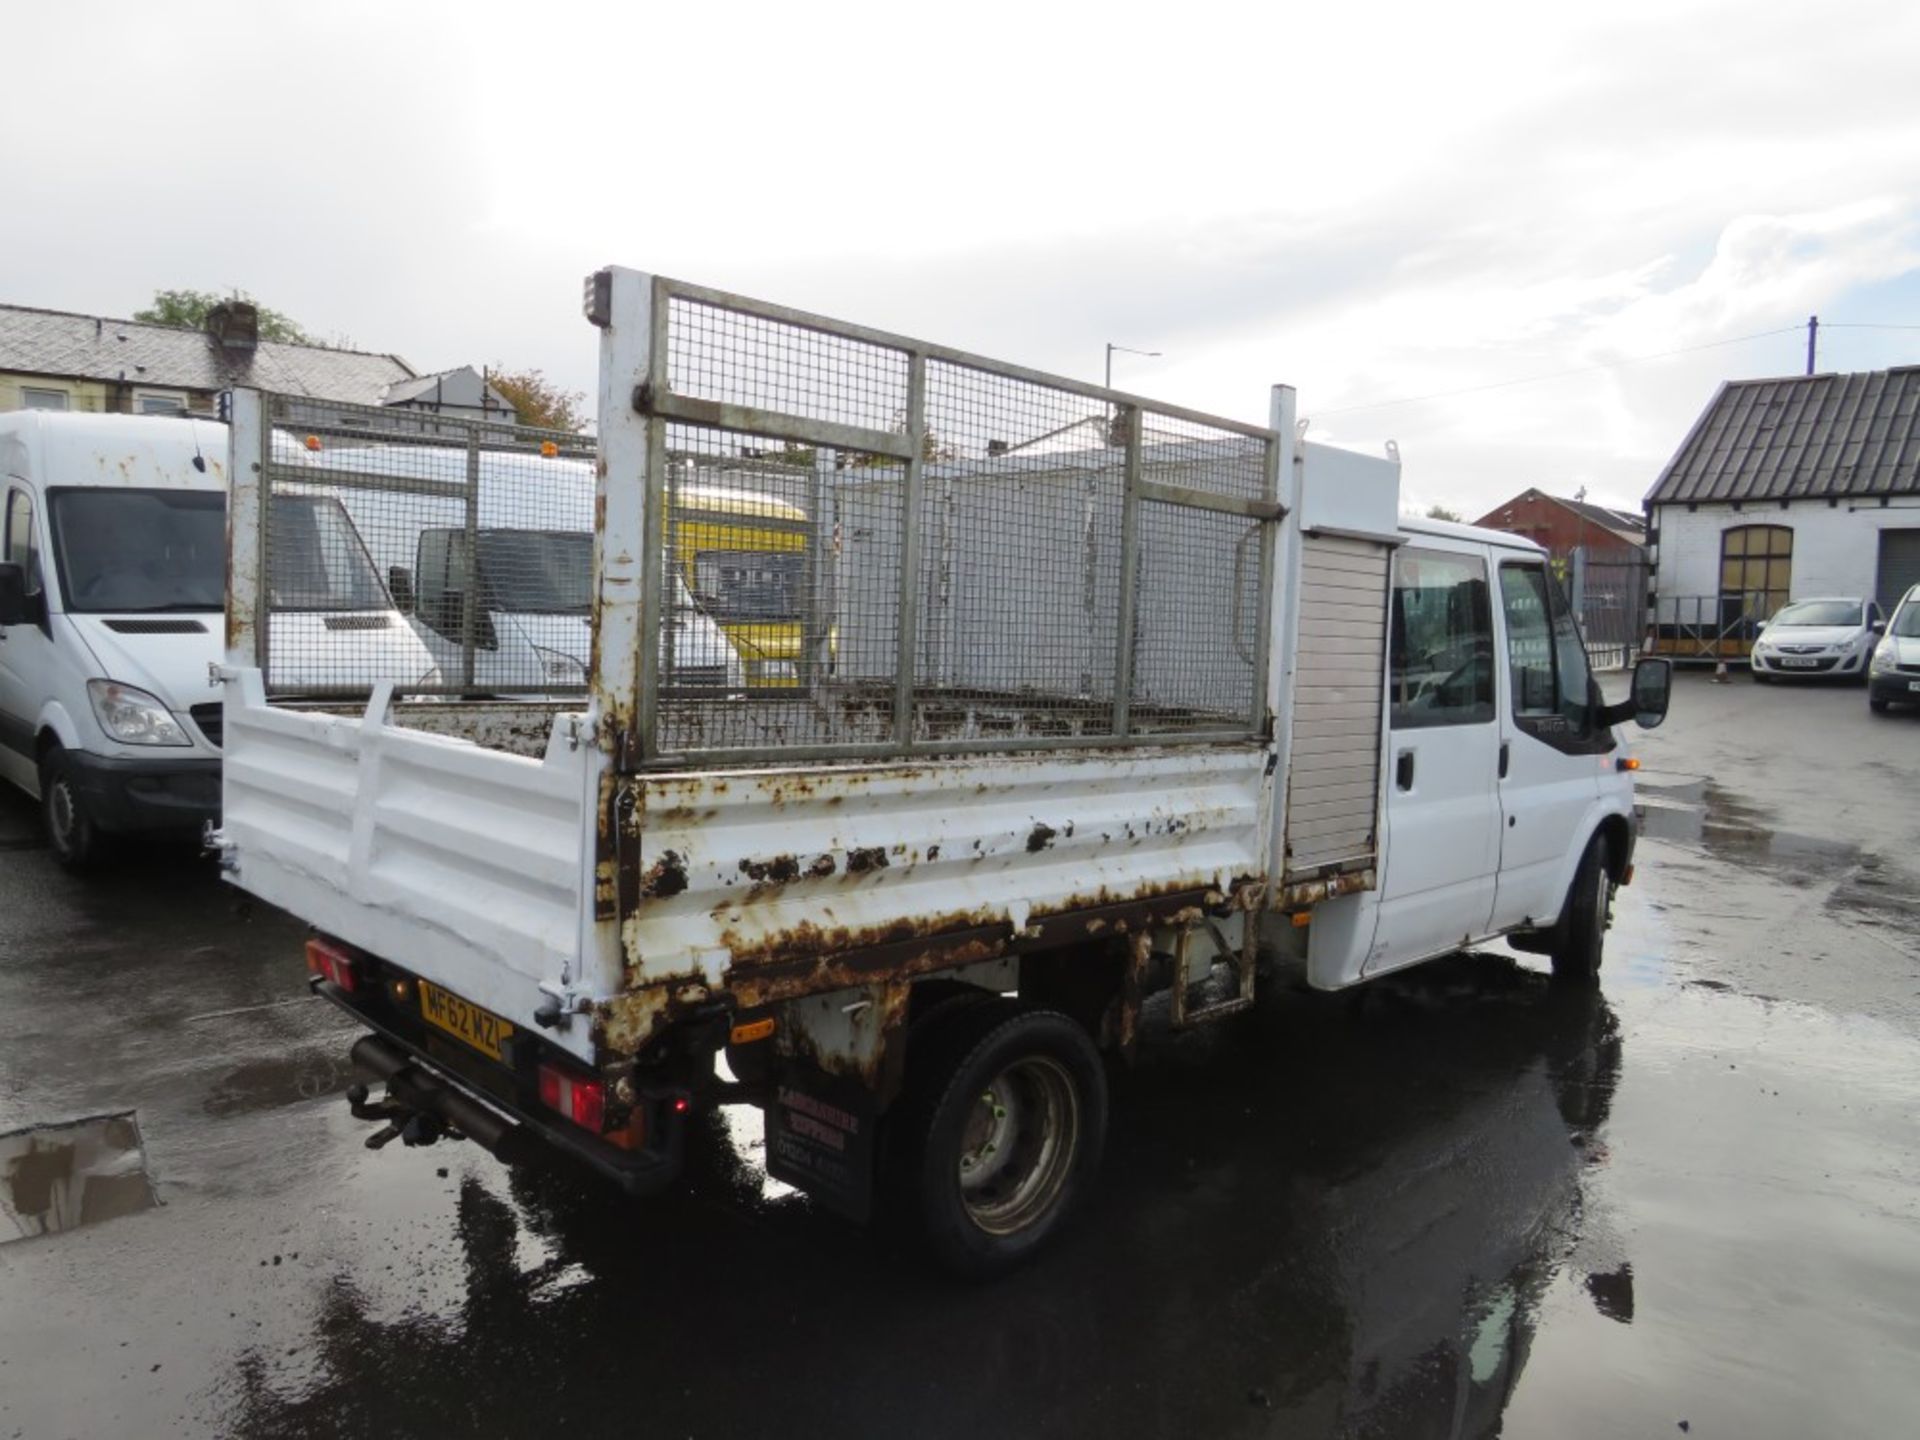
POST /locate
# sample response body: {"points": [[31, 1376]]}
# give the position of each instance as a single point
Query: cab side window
{"points": [[1441, 670], [1546, 660], [23, 546]]}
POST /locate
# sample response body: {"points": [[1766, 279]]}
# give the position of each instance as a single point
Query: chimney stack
{"points": [[236, 325]]}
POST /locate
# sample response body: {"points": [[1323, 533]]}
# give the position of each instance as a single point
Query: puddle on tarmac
{"points": [[80, 1172], [1702, 813]]}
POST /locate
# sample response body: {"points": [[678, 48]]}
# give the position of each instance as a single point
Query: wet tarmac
{"points": [[1458, 1203]]}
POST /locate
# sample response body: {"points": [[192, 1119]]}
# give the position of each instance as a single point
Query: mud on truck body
{"points": [[1086, 706]]}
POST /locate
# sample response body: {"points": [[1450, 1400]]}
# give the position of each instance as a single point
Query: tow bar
{"points": [[419, 1108]]}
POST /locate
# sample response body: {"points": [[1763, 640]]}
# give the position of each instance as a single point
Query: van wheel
{"points": [[77, 841], [1582, 931], [1002, 1125]]}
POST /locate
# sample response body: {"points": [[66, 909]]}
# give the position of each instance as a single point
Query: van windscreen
{"points": [[123, 550]]}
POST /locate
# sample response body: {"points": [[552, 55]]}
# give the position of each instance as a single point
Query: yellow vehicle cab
{"points": [[744, 555]]}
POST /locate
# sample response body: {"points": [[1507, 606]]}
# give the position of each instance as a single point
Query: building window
{"points": [[160, 404], [1756, 571], [32, 398]]}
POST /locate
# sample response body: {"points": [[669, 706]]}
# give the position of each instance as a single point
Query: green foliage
{"points": [[1441, 512], [187, 310], [538, 401]]}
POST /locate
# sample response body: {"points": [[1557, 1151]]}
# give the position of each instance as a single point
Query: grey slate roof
{"points": [[54, 342], [1624, 523], [1804, 437]]}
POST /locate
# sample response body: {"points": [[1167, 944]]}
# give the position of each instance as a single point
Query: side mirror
{"points": [[1878, 627], [400, 586], [14, 609], [1652, 691]]}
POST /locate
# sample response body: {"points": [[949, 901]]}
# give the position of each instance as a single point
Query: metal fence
{"points": [[452, 557], [913, 549], [1610, 596]]}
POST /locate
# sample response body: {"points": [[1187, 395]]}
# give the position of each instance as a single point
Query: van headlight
{"points": [[1883, 658], [133, 717], [560, 668]]}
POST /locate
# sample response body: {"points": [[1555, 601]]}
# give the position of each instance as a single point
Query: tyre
{"points": [[77, 841], [1761, 678], [1878, 707], [1582, 931], [1000, 1132]]}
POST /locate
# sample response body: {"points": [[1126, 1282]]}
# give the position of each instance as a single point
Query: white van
{"points": [[112, 591], [532, 551]]}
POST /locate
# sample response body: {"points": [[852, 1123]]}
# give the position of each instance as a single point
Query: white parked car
{"points": [[1895, 675], [1830, 635]]}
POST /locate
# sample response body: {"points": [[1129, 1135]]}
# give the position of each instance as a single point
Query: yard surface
{"points": [[1451, 1204]]}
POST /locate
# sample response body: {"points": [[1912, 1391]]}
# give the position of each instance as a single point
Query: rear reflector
{"points": [[330, 962], [581, 1098], [749, 1031]]}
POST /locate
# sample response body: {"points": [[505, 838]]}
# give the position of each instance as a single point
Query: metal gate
{"points": [[918, 550], [1610, 597]]}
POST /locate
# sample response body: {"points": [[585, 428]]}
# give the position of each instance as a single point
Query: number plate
{"points": [[464, 1020], [1913, 684], [1792, 663]]}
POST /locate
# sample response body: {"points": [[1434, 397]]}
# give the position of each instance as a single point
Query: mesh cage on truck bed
{"points": [[915, 550]]}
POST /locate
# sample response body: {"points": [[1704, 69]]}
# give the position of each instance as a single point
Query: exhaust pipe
{"points": [[412, 1088]]}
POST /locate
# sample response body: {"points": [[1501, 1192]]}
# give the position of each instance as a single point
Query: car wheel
{"points": [[1760, 677], [1582, 931], [1878, 707], [77, 841], [1001, 1131]]}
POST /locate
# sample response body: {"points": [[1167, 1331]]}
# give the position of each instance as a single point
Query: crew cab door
{"points": [[1442, 816], [1552, 749]]}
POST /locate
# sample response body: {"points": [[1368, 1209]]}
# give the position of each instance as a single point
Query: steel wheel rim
{"points": [[1018, 1145], [60, 814]]}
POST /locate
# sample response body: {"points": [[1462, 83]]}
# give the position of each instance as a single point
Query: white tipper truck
{"points": [[1103, 709]]}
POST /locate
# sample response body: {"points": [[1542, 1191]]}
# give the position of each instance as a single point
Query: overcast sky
{"points": [[1372, 203]]}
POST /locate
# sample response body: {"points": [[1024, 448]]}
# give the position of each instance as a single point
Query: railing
{"points": [[915, 550], [1705, 629]]}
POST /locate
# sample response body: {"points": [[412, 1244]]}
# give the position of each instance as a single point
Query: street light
{"points": [[1125, 350]]}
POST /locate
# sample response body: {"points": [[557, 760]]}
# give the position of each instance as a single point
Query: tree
{"points": [[1441, 512], [187, 310], [538, 401]]}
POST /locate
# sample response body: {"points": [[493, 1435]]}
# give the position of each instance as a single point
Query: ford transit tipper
{"points": [[1099, 709]]}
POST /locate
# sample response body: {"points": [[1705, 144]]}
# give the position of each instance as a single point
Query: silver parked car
{"points": [[1830, 635], [1894, 678]]}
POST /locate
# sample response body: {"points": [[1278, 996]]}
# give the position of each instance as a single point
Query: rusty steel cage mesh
{"points": [[450, 555], [982, 558]]}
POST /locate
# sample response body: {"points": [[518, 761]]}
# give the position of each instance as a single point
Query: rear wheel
{"points": [[1581, 934], [1002, 1127], [77, 841]]}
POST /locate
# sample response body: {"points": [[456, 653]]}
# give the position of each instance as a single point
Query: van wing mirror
{"points": [[400, 586], [14, 609], [1651, 693]]}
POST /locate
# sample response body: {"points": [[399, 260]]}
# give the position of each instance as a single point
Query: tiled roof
{"points": [[53, 342], [1805, 437]]}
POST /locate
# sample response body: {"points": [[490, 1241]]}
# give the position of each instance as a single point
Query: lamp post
{"points": [[1125, 350]]}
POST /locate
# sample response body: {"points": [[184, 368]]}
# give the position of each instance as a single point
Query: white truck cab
{"points": [[112, 587], [1508, 797]]}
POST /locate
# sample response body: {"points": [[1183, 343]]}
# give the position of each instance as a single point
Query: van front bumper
{"points": [[1895, 686], [125, 794]]}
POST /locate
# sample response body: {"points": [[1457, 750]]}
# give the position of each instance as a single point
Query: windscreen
{"points": [[1907, 623], [538, 572], [316, 558], [1819, 612], [124, 550], [750, 584]]}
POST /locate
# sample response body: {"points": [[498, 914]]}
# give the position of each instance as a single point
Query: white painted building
{"points": [[1786, 489]]}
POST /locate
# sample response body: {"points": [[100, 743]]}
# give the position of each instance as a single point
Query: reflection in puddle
{"points": [[60, 1177], [1729, 829]]}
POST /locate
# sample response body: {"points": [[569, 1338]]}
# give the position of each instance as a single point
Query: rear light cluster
{"points": [[581, 1098], [330, 962]]}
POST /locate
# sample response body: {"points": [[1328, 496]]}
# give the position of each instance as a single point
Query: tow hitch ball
{"points": [[411, 1127]]}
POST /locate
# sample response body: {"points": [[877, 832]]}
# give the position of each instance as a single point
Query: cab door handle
{"points": [[1506, 754], [1403, 770]]}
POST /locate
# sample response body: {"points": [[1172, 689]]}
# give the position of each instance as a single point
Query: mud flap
{"points": [[820, 1139]]}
